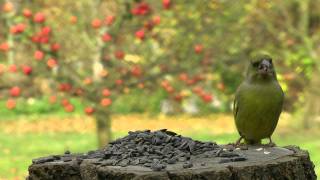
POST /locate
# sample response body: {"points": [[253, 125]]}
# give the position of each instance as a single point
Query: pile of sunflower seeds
{"points": [[153, 149]]}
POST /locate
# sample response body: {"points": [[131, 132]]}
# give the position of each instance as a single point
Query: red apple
{"points": [[166, 4], [119, 54], [106, 37], [178, 97], [89, 110], [106, 92], [183, 76], [11, 104], [96, 23], [105, 102], [13, 68], [136, 71], [27, 13], [140, 34], [79, 92], [104, 73], [109, 20], [198, 77], [4, 47], [87, 81], [15, 91], [27, 70], [45, 31], [119, 82], [198, 48], [52, 63], [73, 19], [65, 87], [65, 102], [141, 85], [141, 9], [156, 20], [207, 98], [2, 68], [39, 17], [169, 89], [35, 38], [18, 28], [38, 55], [165, 83], [69, 108], [44, 39], [7, 7], [147, 25], [191, 81], [55, 47], [53, 99], [198, 90]]}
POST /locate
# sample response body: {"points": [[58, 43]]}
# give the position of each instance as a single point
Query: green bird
{"points": [[258, 102]]}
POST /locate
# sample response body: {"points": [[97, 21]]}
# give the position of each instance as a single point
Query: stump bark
{"points": [[262, 163]]}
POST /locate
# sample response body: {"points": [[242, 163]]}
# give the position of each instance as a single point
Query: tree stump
{"points": [[262, 163]]}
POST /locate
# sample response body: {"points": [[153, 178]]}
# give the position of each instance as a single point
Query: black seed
{"points": [[187, 165], [244, 147], [239, 159], [67, 152], [43, 160], [172, 160], [154, 149], [147, 164], [225, 160], [66, 158], [228, 154]]}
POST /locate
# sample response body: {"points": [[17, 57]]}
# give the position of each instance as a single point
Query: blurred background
{"points": [[76, 74]]}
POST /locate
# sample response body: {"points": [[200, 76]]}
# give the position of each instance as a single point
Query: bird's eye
{"points": [[270, 61], [255, 64]]}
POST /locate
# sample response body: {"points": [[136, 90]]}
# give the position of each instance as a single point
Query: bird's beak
{"points": [[264, 67]]}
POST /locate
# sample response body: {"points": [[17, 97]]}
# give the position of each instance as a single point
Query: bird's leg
{"points": [[271, 143], [238, 142]]}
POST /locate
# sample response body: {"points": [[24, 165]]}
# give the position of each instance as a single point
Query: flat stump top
{"points": [[261, 163], [163, 154]]}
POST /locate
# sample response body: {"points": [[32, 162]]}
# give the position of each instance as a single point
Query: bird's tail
{"points": [[252, 142]]}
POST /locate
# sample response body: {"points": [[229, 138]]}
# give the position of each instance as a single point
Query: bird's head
{"points": [[261, 69]]}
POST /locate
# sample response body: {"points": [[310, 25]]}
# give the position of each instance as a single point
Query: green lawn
{"points": [[18, 150]]}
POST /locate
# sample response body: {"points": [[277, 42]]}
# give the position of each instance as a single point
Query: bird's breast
{"points": [[259, 107]]}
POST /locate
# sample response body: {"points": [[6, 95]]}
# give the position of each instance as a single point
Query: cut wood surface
{"points": [[262, 163]]}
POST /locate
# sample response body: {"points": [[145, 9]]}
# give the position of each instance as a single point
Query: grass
{"points": [[18, 150], [18, 147]]}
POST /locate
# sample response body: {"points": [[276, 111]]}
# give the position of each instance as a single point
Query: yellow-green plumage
{"points": [[258, 102]]}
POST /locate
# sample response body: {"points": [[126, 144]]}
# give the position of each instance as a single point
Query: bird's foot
{"points": [[271, 143], [238, 142]]}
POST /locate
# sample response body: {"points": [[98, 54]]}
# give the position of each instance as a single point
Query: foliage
{"points": [[161, 40], [120, 50]]}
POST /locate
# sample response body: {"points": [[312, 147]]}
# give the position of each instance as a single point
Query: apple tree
{"points": [[102, 55]]}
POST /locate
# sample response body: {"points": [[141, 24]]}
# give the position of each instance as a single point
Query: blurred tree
{"points": [[290, 30], [102, 55], [100, 50]]}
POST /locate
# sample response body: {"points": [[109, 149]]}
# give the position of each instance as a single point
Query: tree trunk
{"points": [[312, 108], [103, 125], [282, 163]]}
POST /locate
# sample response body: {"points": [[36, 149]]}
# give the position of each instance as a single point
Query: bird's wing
{"points": [[236, 101], [235, 107]]}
